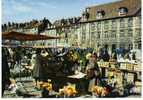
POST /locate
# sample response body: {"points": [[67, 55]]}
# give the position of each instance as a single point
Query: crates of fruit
{"points": [[103, 64], [138, 83], [137, 67], [139, 76], [130, 77], [123, 65], [100, 64], [129, 66]]}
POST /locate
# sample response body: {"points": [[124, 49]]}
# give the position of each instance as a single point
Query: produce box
{"points": [[104, 72], [130, 77], [112, 64], [123, 65], [103, 64], [119, 76], [139, 75], [138, 89], [129, 66], [138, 86], [137, 67], [138, 83]]}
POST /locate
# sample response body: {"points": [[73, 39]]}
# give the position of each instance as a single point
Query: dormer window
{"points": [[87, 10], [123, 11], [86, 14], [100, 14]]}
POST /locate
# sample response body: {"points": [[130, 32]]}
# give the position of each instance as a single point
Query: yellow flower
{"points": [[49, 80]]}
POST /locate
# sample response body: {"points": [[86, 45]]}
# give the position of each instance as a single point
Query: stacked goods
{"points": [[137, 67], [111, 73], [129, 66], [112, 64], [104, 72], [123, 65], [106, 64], [130, 77], [119, 78], [103, 64], [138, 87], [139, 76]]}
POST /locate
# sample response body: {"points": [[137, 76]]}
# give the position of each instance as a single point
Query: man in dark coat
{"points": [[5, 70], [37, 73]]}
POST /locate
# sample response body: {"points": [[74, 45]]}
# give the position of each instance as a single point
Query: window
{"points": [[93, 26], [106, 25], [83, 36], [122, 45], [98, 25], [92, 36], [113, 34], [138, 22], [106, 34], [138, 32], [130, 46], [130, 32], [123, 11], [98, 35], [122, 24], [130, 22], [122, 33], [113, 24], [83, 28], [100, 14]]}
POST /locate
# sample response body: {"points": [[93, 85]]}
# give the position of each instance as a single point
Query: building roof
{"points": [[68, 21], [112, 9]]}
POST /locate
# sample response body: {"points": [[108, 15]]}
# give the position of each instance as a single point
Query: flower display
{"points": [[68, 91], [100, 91]]}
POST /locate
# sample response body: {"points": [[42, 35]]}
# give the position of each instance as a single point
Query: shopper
{"points": [[5, 70], [37, 70], [93, 72]]}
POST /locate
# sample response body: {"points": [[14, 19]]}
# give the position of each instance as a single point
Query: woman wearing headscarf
{"points": [[93, 72]]}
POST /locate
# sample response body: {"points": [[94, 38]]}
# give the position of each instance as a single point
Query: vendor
{"points": [[93, 72]]}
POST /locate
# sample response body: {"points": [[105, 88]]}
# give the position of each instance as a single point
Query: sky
{"points": [[27, 10]]}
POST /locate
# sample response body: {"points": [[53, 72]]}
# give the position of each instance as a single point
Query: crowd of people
{"points": [[62, 62]]}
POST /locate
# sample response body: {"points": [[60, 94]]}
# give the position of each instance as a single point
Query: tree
{"points": [[17, 25], [9, 24]]}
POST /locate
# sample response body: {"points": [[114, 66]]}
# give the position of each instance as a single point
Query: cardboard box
{"points": [[139, 75], [123, 66], [129, 66], [137, 67], [130, 77]]}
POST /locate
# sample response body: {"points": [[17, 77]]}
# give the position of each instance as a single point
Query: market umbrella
{"points": [[26, 37]]}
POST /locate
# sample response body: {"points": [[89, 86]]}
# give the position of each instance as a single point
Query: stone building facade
{"points": [[116, 24]]}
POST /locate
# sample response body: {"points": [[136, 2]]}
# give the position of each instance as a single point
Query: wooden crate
{"points": [[103, 64], [104, 71], [119, 76], [138, 83], [106, 64], [139, 76], [129, 66], [123, 65], [137, 67], [112, 64], [130, 77]]}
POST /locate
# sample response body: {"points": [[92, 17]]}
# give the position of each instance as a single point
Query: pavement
{"points": [[32, 92]]}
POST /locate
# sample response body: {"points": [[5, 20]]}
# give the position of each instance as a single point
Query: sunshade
{"points": [[26, 36]]}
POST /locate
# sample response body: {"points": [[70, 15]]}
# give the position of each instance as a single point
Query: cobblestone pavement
{"points": [[29, 87], [35, 93]]}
